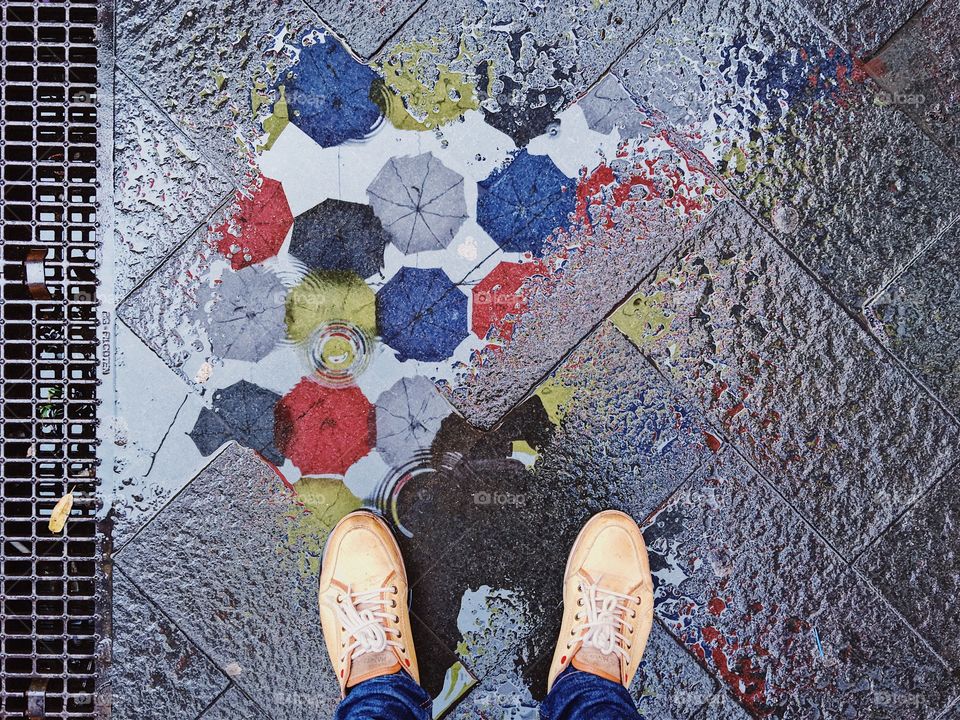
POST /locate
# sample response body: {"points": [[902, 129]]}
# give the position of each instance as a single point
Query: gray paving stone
{"points": [[365, 26], [776, 614], [920, 69], [721, 706], [839, 428], [604, 269], [156, 670], [669, 682], [542, 55], [199, 62], [862, 27], [786, 116], [916, 565], [918, 317], [164, 187], [161, 311], [226, 560], [627, 439], [153, 456], [234, 705]]}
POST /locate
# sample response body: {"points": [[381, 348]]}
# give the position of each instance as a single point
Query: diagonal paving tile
{"points": [[787, 118], [916, 566], [225, 561], [769, 608], [721, 706], [200, 62], [234, 705], [162, 310], [164, 187], [154, 456], [674, 195], [920, 70], [918, 317], [840, 429], [861, 26], [365, 26], [156, 671], [538, 59]]}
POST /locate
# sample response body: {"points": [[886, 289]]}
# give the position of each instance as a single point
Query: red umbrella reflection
{"points": [[258, 227], [324, 430]]}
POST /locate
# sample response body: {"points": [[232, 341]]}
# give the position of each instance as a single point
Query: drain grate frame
{"points": [[49, 359]]}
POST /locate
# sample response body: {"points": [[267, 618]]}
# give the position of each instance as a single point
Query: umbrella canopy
{"points": [[328, 94], [243, 412], [324, 430], [419, 201], [608, 106], [258, 227], [422, 314], [499, 295], [340, 235], [409, 415], [330, 296], [520, 205], [245, 321]]}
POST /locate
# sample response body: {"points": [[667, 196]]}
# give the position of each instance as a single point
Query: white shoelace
{"points": [[363, 619], [606, 619]]}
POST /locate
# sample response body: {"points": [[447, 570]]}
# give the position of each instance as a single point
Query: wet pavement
{"points": [[489, 268]]}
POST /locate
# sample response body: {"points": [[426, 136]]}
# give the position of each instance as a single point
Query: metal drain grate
{"points": [[48, 361]]}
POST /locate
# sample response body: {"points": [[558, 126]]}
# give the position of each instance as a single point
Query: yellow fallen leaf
{"points": [[61, 511]]}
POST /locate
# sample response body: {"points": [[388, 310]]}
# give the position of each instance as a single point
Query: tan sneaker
{"points": [[607, 601], [363, 602]]}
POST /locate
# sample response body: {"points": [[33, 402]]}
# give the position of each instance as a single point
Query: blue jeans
{"points": [[575, 696]]}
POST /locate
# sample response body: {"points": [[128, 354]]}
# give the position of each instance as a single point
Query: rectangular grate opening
{"points": [[48, 360]]}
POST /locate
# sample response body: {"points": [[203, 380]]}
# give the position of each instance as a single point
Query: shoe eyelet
{"points": [[339, 598], [393, 603], [573, 632], [580, 602], [393, 589], [396, 618], [580, 587], [399, 635], [569, 646]]}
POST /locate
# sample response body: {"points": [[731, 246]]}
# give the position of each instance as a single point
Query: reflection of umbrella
{"points": [[258, 228], [242, 412], [500, 294], [408, 417], [246, 319], [422, 314], [525, 202], [609, 106], [339, 235], [419, 201], [324, 430], [328, 94], [330, 296]]}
